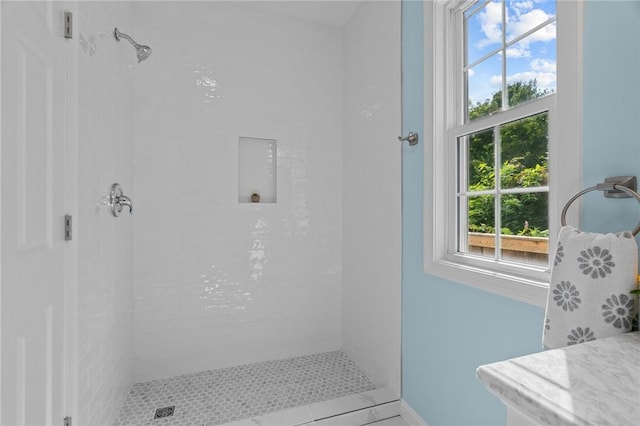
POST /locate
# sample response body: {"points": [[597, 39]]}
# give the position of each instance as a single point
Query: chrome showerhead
{"points": [[142, 52]]}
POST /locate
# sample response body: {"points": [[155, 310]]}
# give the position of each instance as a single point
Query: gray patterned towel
{"points": [[591, 277]]}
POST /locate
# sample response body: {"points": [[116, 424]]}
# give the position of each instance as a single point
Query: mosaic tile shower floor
{"points": [[221, 396]]}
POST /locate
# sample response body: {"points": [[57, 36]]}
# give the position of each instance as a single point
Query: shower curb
{"points": [[352, 410]]}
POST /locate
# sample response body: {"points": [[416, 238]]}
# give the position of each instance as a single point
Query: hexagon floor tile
{"points": [[221, 396]]}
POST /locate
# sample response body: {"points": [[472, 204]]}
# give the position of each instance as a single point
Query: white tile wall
{"points": [[372, 192], [220, 283], [105, 135]]}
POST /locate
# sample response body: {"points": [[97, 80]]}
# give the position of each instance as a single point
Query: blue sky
{"points": [[533, 57]]}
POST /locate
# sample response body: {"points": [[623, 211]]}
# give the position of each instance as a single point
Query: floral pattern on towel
{"points": [[618, 311], [579, 335], [566, 296], [559, 254], [596, 261]]}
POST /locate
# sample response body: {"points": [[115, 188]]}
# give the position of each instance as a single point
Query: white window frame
{"points": [[521, 283]]}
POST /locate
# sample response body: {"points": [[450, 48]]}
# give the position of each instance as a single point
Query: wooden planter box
{"points": [[514, 247]]}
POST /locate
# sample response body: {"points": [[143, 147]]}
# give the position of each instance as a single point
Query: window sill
{"points": [[513, 287]]}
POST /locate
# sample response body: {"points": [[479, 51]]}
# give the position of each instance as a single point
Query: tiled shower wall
{"points": [[372, 250], [105, 141], [220, 283]]}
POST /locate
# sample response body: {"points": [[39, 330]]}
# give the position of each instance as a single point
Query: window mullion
{"points": [[463, 201], [505, 94], [498, 198]]}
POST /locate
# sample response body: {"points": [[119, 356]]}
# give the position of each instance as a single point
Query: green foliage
{"points": [[534, 232], [518, 92], [524, 163]]}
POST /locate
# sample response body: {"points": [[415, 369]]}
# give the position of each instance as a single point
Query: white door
{"points": [[33, 251]]}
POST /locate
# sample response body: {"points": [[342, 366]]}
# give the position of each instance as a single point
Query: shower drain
{"points": [[164, 412]]}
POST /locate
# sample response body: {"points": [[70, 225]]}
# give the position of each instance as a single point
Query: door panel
{"points": [[34, 140], [34, 120]]}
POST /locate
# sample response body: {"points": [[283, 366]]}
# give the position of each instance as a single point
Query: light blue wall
{"points": [[449, 329], [611, 139]]}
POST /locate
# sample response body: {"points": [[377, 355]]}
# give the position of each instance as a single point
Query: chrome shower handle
{"points": [[123, 200], [116, 200]]}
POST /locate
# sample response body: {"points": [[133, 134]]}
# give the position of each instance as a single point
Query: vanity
{"points": [[593, 383]]}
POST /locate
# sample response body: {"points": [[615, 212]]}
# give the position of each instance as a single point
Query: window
{"points": [[494, 95]]}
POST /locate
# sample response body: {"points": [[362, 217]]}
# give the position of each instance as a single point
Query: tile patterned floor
{"points": [[221, 396]]}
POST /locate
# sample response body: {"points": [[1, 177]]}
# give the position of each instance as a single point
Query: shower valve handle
{"points": [[116, 200], [125, 201]]}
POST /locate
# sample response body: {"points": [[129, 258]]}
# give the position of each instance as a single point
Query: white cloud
{"points": [[543, 71], [545, 80], [519, 50], [471, 72], [543, 65], [525, 22], [520, 18], [495, 81], [522, 6], [491, 24], [483, 92]]}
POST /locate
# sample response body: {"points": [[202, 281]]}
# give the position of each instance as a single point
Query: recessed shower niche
{"points": [[257, 162]]}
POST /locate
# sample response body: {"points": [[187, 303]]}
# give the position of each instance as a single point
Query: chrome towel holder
{"points": [[613, 187]]}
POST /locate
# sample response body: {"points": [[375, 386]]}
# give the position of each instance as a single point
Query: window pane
{"points": [[525, 228], [483, 30], [525, 214], [531, 68], [484, 88], [523, 16], [481, 231], [525, 152], [479, 159], [530, 61], [481, 213]]}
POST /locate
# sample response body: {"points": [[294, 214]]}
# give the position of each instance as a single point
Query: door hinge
{"points": [[68, 223], [68, 24], [67, 421]]}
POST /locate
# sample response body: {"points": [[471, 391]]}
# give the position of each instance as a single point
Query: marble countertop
{"points": [[594, 383]]}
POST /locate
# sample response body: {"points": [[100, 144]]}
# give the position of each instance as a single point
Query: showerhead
{"points": [[142, 52]]}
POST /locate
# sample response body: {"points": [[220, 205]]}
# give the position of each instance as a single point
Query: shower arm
{"points": [[118, 35]]}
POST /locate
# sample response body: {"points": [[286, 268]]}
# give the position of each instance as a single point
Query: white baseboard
{"points": [[409, 415]]}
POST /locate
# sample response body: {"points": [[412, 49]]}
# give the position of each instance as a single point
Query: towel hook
{"points": [[412, 138], [613, 187]]}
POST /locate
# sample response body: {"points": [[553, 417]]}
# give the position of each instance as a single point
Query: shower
{"points": [[142, 52], [214, 307]]}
